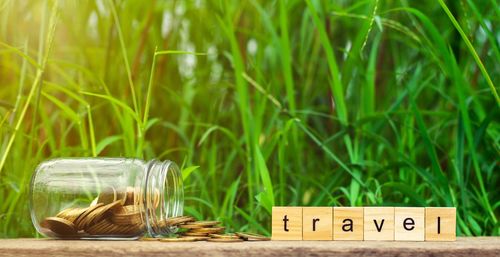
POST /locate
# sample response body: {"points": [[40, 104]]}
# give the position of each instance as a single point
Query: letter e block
{"points": [[317, 223], [409, 224], [287, 223], [440, 223], [379, 223], [348, 223]]}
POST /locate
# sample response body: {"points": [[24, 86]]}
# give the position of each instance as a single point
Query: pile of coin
{"points": [[110, 213], [120, 214], [191, 230]]}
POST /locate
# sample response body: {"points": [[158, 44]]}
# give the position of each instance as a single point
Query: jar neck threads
{"points": [[163, 196]]}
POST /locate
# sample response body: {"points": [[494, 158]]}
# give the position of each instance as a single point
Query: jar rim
{"points": [[163, 178]]}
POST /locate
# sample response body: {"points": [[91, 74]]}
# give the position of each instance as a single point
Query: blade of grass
{"points": [[471, 50], [35, 84], [336, 85]]}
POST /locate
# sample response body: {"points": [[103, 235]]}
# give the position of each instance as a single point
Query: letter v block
{"points": [[317, 223], [348, 223], [379, 223], [287, 223], [409, 224]]}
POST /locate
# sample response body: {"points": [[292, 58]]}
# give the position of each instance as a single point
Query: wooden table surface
{"points": [[478, 246]]}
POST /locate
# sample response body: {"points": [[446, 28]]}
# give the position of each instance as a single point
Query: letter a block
{"points": [[317, 223], [409, 224], [379, 223], [348, 223], [287, 223], [440, 223]]}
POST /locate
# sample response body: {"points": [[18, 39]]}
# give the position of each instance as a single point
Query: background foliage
{"points": [[283, 102]]}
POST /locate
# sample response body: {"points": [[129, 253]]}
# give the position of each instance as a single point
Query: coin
{"points": [[213, 230], [197, 238], [126, 209], [197, 224], [252, 236], [79, 221], [71, 214], [194, 234], [226, 236], [178, 220], [177, 239], [98, 228], [129, 196], [59, 226], [99, 213], [224, 240], [127, 218], [108, 196]]}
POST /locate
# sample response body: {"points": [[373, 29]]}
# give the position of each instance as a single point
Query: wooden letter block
{"points": [[287, 223], [348, 223], [440, 223], [317, 223], [379, 223], [409, 224]]}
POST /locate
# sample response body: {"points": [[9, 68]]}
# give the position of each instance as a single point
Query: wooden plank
{"points": [[478, 246]]}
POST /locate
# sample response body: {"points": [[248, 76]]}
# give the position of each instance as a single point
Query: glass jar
{"points": [[105, 198]]}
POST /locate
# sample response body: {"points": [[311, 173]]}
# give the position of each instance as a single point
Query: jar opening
{"points": [[163, 197]]}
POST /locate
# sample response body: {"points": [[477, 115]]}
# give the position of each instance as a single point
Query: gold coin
{"points": [[99, 214], [98, 228], [126, 209], [108, 196], [177, 239], [135, 229], [178, 220], [197, 238], [195, 234], [71, 214], [252, 236], [129, 196], [226, 236], [59, 226], [80, 220], [127, 219], [213, 230], [224, 240]]}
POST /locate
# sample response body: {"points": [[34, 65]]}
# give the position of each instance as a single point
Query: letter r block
{"points": [[379, 223], [409, 224], [348, 223], [440, 223], [317, 223], [287, 223]]}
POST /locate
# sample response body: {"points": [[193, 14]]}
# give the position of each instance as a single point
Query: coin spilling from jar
{"points": [[191, 230], [121, 214]]}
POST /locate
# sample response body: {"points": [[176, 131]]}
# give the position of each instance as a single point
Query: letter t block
{"points": [[287, 223]]}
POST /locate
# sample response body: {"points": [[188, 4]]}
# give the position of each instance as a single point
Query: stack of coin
{"points": [[191, 230], [111, 213]]}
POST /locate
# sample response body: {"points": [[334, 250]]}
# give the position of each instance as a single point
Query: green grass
{"points": [[262, 103]]}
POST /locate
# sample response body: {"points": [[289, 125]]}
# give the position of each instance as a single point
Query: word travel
{"points": [[364, 223]]}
